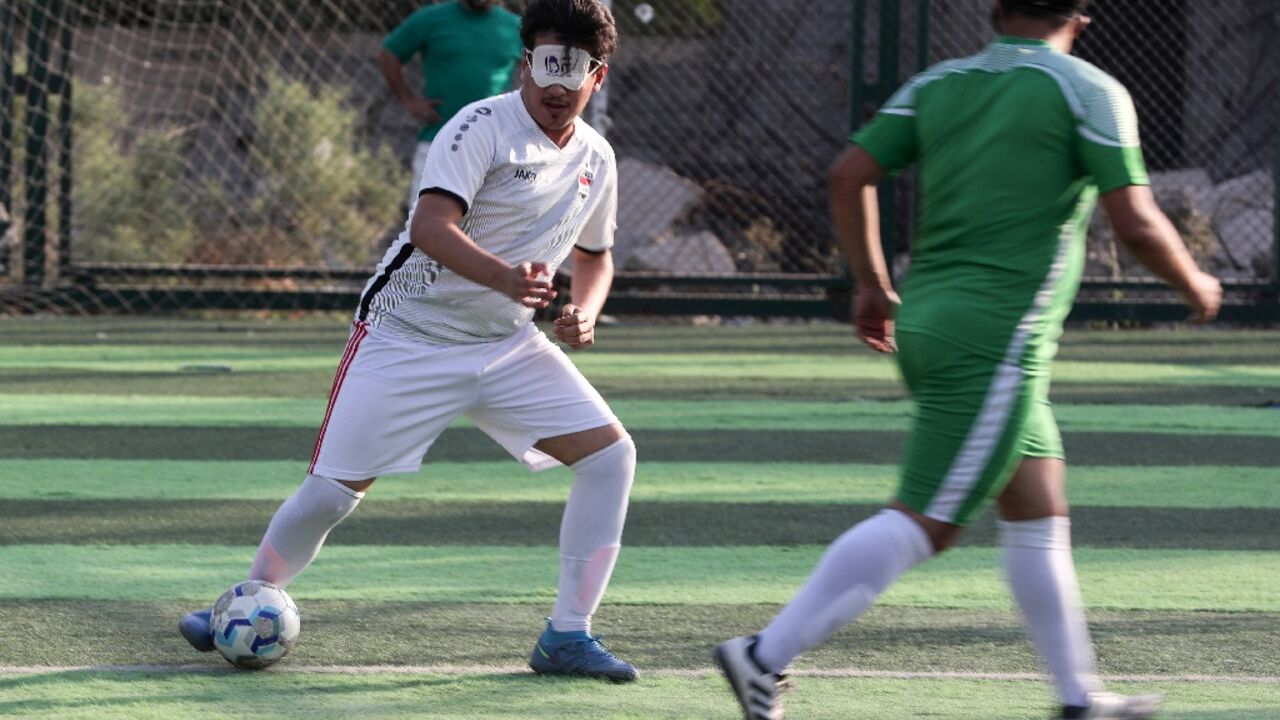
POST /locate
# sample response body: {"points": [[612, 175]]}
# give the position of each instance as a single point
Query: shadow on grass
{"points": [[160, 691]]}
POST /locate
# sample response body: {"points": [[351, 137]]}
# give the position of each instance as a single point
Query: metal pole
{"points": [[66, 17], [6, 116], [33, 235], [598, 112], [890, 19], [922, 36], [1275, 212], [857, 89]]}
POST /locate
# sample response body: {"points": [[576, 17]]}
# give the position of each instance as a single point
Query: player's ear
{"points": [[598, 82]]}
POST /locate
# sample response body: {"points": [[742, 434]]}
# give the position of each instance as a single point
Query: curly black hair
{"points": [[587, 24]]}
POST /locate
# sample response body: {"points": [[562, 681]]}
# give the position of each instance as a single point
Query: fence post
{"points": [[36, 170], [922, 36], [890, 19], [6, 116], [66, 18], [1275, 212], [597, 114], [857, 88]]}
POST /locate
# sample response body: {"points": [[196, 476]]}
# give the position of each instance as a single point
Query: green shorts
{"points": [[974, 420]]}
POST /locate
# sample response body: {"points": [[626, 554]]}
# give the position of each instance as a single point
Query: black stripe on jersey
{"points": [[400, 259], [446, 193], [579, 248]]}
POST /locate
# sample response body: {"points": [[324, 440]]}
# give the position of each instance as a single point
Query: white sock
{"points": [[1042, 576], [858, 566], [591, 532], [300, 527]]}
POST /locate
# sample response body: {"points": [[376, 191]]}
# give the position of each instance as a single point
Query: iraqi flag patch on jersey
{"points": [[584, 182]]}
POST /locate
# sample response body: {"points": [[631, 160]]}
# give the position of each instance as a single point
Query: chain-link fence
{"points": [[244, 154]]}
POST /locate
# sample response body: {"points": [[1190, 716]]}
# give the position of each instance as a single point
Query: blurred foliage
{"points": [[321, 196], [129, 204]]}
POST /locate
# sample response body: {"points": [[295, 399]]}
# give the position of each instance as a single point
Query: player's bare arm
{"points": [[424, 109], [1143, 228], [851, 183], [592, 276], [435, 231]]}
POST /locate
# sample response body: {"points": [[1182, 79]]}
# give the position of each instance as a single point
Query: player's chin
{"points": [[557, 117]]}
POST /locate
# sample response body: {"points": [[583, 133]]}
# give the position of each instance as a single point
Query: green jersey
{"points": [[466, 55], [1013, 146]]}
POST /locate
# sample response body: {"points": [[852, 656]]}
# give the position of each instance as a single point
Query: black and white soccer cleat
{"points": [[1109, 706], [759, 691]]}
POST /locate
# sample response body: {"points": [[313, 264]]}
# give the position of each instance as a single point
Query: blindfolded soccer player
{"points": [[513, 186]]}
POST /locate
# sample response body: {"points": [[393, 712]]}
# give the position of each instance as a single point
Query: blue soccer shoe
{"points": [[194, 626], [578, 654]]}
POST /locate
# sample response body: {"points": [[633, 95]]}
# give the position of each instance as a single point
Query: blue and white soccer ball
{"points": [[254, 624]]}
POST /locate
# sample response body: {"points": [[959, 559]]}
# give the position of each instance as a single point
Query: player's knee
{"points": [[618, 459], [941, 535], [944, 537], [357, 485], [626, 451], [330, 497]]}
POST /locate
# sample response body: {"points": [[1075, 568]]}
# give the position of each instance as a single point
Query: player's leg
{"points": [[539, 407], [1035, 531], [603, 461], [391, 398], [958, 452], [301, 524]]}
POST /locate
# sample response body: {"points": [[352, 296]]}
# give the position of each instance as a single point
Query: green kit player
{"points": [[468, 49], [1014, 146]]}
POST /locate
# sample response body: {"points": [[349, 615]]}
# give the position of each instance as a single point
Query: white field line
{"points": [[217, 669]]}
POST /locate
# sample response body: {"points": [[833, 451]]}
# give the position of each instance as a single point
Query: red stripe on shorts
{"points": [[348, 356]]}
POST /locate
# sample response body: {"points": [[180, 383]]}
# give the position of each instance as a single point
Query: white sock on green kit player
{"points": [[1042, 577], [853, 572]]}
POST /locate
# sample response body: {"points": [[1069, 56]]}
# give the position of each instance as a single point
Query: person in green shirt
{"points": [[1013, 146], [468, 50]]}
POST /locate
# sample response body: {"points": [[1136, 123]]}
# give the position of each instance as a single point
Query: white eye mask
{"points": [[560, 65]]}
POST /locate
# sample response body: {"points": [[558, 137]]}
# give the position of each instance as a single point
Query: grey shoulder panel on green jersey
{"points": [[1102, 107]]}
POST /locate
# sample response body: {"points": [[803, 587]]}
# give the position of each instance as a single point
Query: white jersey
{"points": [[524, 200]]}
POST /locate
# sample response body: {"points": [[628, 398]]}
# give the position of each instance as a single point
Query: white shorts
{"points": [[392, 397]]}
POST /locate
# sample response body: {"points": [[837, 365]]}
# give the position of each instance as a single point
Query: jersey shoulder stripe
{"points": [[903, 102], [1102, 107], [1101, 104]]}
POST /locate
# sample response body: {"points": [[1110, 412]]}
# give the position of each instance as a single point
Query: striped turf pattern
{"points": [[142, 459]]}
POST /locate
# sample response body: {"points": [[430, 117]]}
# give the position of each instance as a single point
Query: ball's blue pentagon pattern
{"points": [[254, 624]]}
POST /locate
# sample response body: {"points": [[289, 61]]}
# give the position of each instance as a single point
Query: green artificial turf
{"points": [[230, 411], [494, 696], [469, 444], [760, 366], [650, 524], [141, 459], [968, 577], [357, 632], [507, 481]]}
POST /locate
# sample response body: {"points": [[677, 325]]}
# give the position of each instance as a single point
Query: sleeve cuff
{"points": [[447, 193]]}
